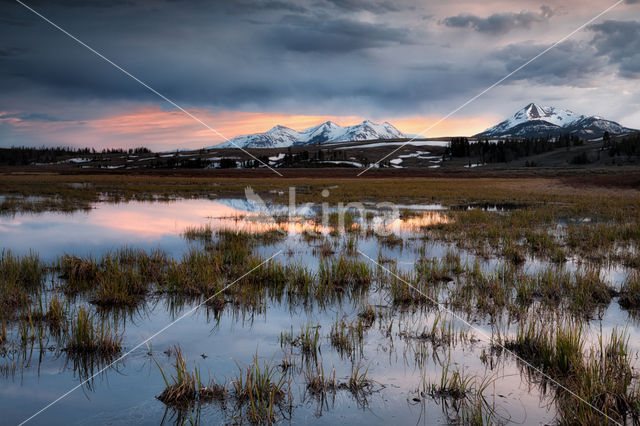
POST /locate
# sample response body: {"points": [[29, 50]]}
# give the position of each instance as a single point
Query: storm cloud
{"points": [[374, 59], [569, 63], [619, 42], [324, 34], [499, 23], [375, 6]]}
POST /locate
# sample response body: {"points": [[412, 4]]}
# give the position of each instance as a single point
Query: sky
{"points": [[244, 66]]}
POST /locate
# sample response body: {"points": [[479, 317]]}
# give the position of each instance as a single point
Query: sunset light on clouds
{"points": [[244, 67]]}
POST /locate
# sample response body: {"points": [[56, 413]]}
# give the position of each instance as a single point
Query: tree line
{"points": [[504, 151], [626, 146], [24, 156]]}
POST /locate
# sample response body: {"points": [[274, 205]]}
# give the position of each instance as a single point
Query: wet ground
{"points": [[398, 367]]}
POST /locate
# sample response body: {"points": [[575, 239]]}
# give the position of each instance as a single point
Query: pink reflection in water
{"points": [[417, 222], [155, 224]]}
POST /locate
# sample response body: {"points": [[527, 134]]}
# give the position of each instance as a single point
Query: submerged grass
{"points": [[630, 291], [556, 350], [463, 396], [454, 384], [20, 278], [182, 387], [308, 340], [347, 337], [359, 383], [602, 376], [343, 273], [91, 336], [605, 380], [27, 271], [53, 312], [263, 388], [259, 390], [318, 383]]}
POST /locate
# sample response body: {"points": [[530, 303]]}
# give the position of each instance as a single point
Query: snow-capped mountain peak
{"points": [[281, 136], [538, 121], [280, 129], [557, 116]]}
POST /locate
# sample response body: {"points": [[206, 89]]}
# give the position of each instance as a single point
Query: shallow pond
{"points": [[397, 366]]}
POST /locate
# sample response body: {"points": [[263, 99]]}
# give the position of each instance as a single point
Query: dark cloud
{"points": [[9, 52], [73, 3], [29, 116], [375, 6], [619, 42], [570, 63], [206, 56], [253, 6], [8, 20], [339, 57], [499, 23], [326, 35], [316, 61], [229, 6]]}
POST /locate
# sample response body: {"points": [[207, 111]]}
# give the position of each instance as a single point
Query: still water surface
{"points": [[126, 394]]}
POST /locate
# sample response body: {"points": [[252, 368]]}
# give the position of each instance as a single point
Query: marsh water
{"points": [[218, 344]]}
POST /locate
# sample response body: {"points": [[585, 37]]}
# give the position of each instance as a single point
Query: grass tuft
{"points": [[90, 336]]}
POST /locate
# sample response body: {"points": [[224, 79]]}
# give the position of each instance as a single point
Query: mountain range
{"points": [[530, 122], [327, 132], [540, 121]]}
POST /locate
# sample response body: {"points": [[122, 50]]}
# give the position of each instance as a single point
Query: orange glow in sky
{"points": [[161, 129], [453, 126]]}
